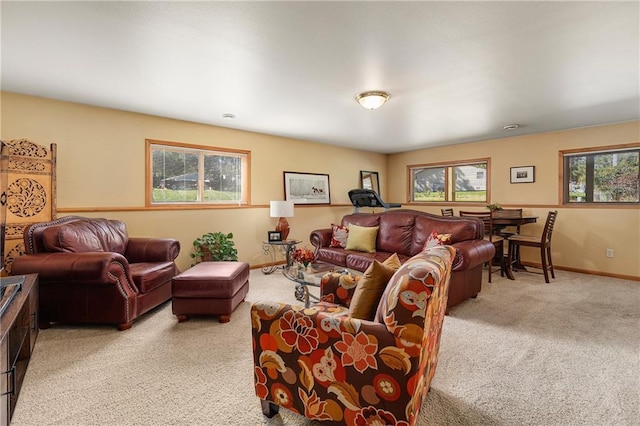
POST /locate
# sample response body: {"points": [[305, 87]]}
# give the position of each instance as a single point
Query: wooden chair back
{"points": [[545, 238], [498, 241], [485, 217]]}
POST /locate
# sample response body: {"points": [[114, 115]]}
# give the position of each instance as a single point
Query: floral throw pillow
{"points": [[339, 236], [436, 239]]}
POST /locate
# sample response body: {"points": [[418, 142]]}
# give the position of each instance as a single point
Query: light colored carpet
{"points": [[522, 353]]}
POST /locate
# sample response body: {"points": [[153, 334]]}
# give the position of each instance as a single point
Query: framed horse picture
{"points": [[306, 188]]}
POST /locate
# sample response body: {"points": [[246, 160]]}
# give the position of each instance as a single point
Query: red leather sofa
{"points": [[405, 232], [91, 271]]}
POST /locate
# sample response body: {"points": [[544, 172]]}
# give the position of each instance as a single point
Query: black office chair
{"points": [[369, 198]]}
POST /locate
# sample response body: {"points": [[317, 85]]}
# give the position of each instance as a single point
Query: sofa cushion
{"points": [[460, 230], [150, 275], [369, 289], [94, 235], [362, 238], [361, 219], [360, 261], [339, 236], [396, 233]]}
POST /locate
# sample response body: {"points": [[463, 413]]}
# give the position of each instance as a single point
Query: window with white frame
{"points": [[450, 182], [180, 173], [602, 176]]}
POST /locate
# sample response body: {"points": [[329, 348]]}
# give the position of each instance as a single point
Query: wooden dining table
{"points": [[503, 222]]}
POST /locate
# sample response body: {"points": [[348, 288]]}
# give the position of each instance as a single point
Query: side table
{"points": [[270, 248]]}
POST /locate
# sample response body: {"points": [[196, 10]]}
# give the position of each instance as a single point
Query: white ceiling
{"points": [[456, 71]]}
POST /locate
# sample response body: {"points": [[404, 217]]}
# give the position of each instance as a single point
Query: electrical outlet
{"points": [[609, 252]]}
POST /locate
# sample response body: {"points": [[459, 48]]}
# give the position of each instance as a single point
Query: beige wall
{"points": [[582, 234], [101, 170]]}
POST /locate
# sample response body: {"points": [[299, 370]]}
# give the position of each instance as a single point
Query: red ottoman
{"points": [[210, 288]]}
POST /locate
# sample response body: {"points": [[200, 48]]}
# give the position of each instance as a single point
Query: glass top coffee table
{"points": [[311, 277]]}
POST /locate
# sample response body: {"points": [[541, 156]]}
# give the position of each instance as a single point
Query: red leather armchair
{"points": [[323, 364], [91, 271]]}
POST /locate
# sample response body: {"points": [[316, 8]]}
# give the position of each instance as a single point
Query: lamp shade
{"points": [[281, 208]]}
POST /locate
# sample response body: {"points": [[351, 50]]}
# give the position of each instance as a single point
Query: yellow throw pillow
{"points": [[362, 238], [366, 297]]}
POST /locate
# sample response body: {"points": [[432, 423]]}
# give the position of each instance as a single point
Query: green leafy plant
{"points": [[214, 246], [493, 207]]}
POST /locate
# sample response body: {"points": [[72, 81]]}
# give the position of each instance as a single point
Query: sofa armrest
{"points": [[471, 253], [152, 249], [320, 238], [338, 288], [87, 268]]}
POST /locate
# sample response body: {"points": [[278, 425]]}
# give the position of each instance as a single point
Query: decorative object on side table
{"points": [[303, 255], [274, 235], [282, 210], [214, 246]]}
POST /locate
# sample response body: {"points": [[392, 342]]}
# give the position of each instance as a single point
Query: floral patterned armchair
{"points": [[323, 364]]}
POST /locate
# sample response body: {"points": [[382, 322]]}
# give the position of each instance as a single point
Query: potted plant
{"points": [[214, 246], [493, 207]]}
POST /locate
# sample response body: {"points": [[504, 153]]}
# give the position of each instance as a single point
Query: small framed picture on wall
{"points": [[523, 174]]}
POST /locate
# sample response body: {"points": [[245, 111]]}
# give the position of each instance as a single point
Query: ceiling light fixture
{"points": [[511, 126], [372, 100], [228, 116]]}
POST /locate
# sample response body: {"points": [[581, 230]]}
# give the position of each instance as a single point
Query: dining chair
{"points": [[489, 235], [543, 242], [447, 212]]}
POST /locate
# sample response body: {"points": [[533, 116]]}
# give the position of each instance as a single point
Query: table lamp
{"points": [[282, 209]]}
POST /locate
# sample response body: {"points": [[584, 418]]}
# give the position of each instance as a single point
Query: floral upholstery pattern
{"points": [[325, 365]]}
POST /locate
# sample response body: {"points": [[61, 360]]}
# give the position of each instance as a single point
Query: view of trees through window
{"points": [[185, 174], [602, 177], [453, 182]]}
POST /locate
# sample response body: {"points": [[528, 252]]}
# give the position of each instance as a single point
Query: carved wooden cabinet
{"points": [[18, 332]]}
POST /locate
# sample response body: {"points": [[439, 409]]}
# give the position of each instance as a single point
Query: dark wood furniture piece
{"points": [[502, 221], [543, 242], [18, 332], [489, 235], [510, 213], [514, 221], [447, 212]]}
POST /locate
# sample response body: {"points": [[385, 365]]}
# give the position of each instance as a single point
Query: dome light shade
{"points": [[372, 100]]}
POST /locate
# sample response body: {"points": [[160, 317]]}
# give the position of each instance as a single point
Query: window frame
{"points": [[563, 161], [449, 182], [244, 155]]}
